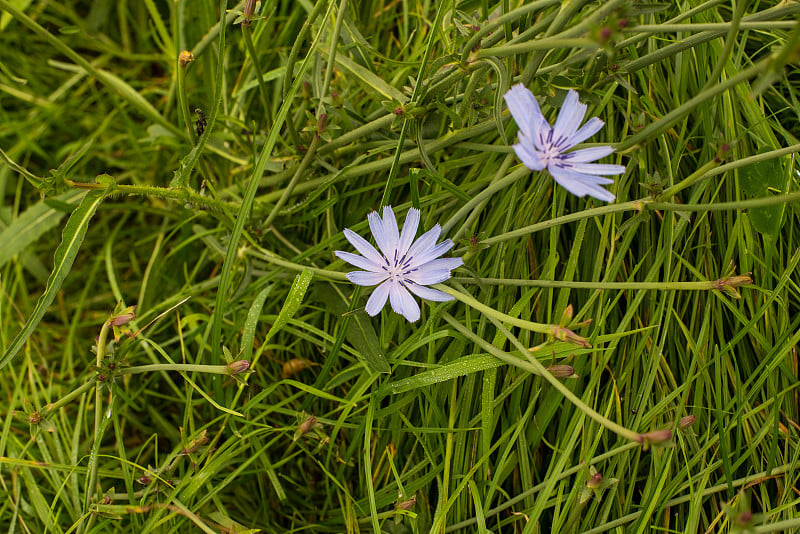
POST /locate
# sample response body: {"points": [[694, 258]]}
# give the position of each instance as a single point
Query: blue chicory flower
{"points": [[541, 146], [402, 265]]}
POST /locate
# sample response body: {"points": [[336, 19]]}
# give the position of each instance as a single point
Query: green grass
{"points": [[223, 240]]}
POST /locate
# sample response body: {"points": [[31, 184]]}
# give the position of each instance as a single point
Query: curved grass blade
{"points": [[72, 238]]}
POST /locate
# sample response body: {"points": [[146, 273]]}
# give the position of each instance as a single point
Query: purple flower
{"points": [[402, 265], [541, 146]]}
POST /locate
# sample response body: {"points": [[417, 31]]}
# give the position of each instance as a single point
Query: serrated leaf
{"points": [[71, 240], [293, 302]]}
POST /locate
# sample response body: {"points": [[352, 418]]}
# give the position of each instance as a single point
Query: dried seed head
{"points": [[686, 421], [307, 425], [408, 504], [655, 437], [185, 57], [294, 366], [561, 371]]}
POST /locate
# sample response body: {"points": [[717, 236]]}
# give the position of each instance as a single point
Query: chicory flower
{"points": [[403, 265], [542, 146]]}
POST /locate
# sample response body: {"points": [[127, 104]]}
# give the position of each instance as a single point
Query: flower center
{"points": [[398, 268]]}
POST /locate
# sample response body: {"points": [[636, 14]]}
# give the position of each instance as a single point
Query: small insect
{"points": [[200, 123]]}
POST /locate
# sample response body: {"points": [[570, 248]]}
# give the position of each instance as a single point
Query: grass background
{"points": [[223, 239]]}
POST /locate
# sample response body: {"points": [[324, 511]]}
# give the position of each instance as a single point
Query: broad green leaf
{"points": [[759, 180], [292, 304], [72, 238], [31, 225], [363, 337]]}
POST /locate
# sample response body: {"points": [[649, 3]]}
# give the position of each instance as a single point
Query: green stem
{"points": [[658, 286], [91, 479], [569, 395], [184, 367], [584, 214], [723, 206], [711, 26], [251, 49], [271, 257], [498, 23], [63, 401], [491, 312], [538, 44], [180, 195], [690, 180]]}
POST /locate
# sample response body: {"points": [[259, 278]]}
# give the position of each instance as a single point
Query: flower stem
{"points": [[185, 367], [491, 312], [570, 396]]}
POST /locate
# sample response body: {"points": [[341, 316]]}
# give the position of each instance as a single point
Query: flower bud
{"points": [[239, 366], [124, 317], [322, 122], [565, 334], [306, 425], [594, 481]]}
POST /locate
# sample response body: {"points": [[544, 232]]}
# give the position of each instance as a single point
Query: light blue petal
{"points": [[569, 117], [403, 303], [366, 278], [429, 293], [378, 298], [603, 169], [591, 127], [529, 157], [409, 231], [392, 233], [425, 242], [376, 225], [586, 155], [581, 184], [424, 256], [359, 261], [363, 246], [525, 110], [428, 277]]}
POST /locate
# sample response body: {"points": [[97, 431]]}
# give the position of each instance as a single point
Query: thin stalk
{"points": [[91, 479], [491, 312], [569, 395], [183, 367], [635, 286], [180, 195], [251, 50]]}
